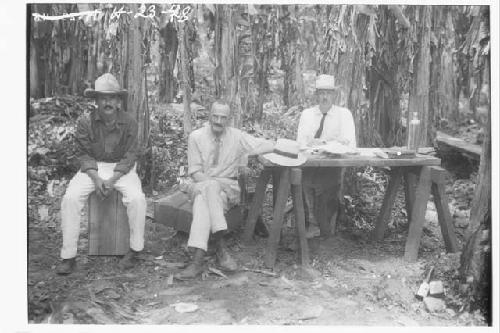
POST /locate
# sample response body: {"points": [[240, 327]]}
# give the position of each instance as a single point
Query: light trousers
{"points": [[80, 187], [212, 198]]}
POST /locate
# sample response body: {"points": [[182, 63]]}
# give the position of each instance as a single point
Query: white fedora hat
{"points": [[286, 153], [326, 82]]}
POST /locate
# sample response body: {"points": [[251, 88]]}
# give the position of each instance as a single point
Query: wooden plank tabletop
{"points": [[466, 148], [359, 161]]}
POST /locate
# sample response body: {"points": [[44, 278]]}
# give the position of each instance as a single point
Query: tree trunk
{"points": [[135, 76], [226, 59], [448, 89], [76, 66], [476, 36], [346, 60], [262, 44], [475, 268], [168, 51], [443, 95], [419, 87], [382, 125], [33, 51], [286, 39], [461, 23], [33, 68], [186, 86], [93, 41], [436, 70], [297, 55], [290, 49]]}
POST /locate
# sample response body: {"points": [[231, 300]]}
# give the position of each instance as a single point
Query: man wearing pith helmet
{"points": [[107, 152], [323, 124]]}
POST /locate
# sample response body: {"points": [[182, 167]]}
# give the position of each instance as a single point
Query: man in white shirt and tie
{"points": [[322, 124]]}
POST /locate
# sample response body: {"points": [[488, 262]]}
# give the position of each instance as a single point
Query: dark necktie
{"points": [[320, 129], [215, 161]]}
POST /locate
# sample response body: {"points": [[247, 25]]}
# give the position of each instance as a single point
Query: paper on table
{"points": [[336, 148], [372, 152]]}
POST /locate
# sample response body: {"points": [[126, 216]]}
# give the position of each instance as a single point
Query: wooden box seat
{"points": [[109, 232], [176, 211]]}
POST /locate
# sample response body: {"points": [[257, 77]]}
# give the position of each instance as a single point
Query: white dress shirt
{"points": [[234, 146], [220, 159], [338, 126]]}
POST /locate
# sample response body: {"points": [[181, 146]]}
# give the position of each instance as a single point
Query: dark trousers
{"points": [[325, 185]]}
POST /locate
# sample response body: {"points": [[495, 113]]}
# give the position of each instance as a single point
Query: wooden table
{"points": [[418, 175]]}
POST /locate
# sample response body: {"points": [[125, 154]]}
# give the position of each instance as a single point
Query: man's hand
{"points": [[342, 141], [100, 188], [199, 177], [109, 184]]}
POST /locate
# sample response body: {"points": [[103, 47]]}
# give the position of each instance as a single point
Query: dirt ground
{"points": [[352, 281]]}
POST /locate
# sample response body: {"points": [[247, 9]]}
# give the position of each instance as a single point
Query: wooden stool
{"points": [[109, 232]]}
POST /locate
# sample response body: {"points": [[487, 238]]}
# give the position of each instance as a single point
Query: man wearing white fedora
{"points": [[322, 124], [215, 152], [107, 145]]}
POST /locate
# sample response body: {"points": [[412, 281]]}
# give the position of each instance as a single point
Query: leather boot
{"points": [[129, 260], [194, 269], [224, 259], [66, 266], [261, 228]]}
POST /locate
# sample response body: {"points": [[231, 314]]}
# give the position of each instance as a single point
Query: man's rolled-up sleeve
{"points": [[303, 131], [131, 150], [195, 163], [348, 129], [83, 138], [250, 143]]}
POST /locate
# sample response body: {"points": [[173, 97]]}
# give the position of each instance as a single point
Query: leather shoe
{"points": [[261, 229], [190, 272], [225, 261], [129, 260], [66, 266]]}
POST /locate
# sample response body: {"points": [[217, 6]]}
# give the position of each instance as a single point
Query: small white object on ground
{"points": [[185, 307], [436, 288], [433, 304]]}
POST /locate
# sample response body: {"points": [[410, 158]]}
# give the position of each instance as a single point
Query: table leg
{"points": [[256, 207], [410, 183], [444, 217], [276, 184], [385, 212], [418, 214], [339, 211], [298, 205], [278, 214]]}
